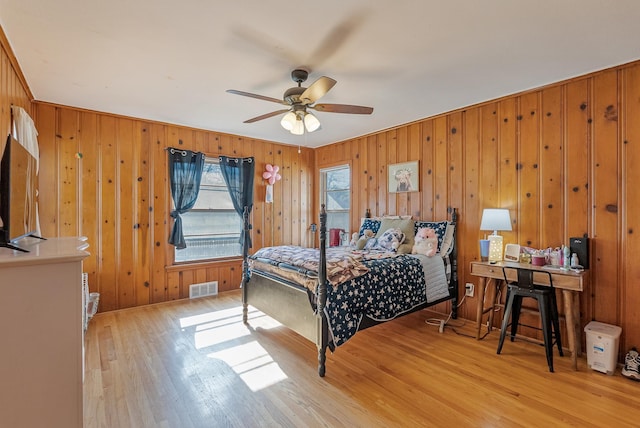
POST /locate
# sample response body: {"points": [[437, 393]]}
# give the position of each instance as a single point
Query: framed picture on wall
{"points": [[403, 177]]}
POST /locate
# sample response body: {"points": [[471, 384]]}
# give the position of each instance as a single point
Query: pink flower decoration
{"points": [[271, 173]]}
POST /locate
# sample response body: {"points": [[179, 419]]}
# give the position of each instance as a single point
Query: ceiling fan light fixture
{"points": [[289, 121], [298, 128], [311, 122]]}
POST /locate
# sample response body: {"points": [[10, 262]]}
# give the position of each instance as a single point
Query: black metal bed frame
{"points": [[289, 304]]}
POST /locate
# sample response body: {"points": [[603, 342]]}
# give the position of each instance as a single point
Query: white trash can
{"points": [[602, 346]]}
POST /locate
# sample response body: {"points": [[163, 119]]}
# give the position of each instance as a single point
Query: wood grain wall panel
{"points": [[159, 189], [88, 168], [13, 90], [278, 202], [528, 215], [606, 181], [287, 195], [257, 216], [402, 155], [468, 230], [67, 176], [630, 278], [48, 187], [414, 153], [372, 175], [294, 188], [456, 171], [392, 157], [577, 157], [440, 165], [506, 116], [142, 217], [577, 145], [489, 164], [108, 215], [381, 171], [356, 176], [426, 171], [552, 168], [126, 204]]}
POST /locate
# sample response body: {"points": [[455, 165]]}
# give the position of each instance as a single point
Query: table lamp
{"points": [[495, 219]]}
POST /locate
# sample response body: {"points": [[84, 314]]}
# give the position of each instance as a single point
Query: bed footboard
{"points": [[286, 303]]}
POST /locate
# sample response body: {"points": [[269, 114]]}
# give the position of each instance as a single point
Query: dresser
{"points": [[41, 333]]}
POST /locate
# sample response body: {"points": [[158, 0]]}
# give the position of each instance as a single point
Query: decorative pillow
{"points": [[439, 226], [447, 242], [406, 225], [390, 239], [371, 224], [370, 244]]}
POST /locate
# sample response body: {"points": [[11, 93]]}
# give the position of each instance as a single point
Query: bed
{"points": [[328, 294]]}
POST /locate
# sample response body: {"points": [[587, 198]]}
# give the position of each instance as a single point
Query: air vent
{"points": [[203, 289]]}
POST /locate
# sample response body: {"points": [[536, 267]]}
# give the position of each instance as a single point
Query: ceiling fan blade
{"points": [[260, 97], [342, 108], [266, 116], [317, 90]]}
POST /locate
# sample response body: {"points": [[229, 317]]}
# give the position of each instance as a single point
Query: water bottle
{"points": [[567, 253]]}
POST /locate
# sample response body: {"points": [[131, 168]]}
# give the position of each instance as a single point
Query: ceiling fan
{"points": [[298, 99]]}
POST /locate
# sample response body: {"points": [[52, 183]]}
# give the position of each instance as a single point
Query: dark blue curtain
{"points": [[238, 174], [185, 172]]}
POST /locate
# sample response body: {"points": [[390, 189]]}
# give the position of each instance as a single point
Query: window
{"points": [[212, 227], [335, 193]]}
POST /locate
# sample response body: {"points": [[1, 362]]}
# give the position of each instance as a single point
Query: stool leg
{"points": [[505, 320], [555, 317], [543, 306], [515, 317]]}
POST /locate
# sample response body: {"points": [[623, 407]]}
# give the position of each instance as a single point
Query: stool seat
{"points": [[545, 296]]}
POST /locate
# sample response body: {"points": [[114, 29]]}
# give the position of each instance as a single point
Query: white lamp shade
{"points": [[298, 128], [495, 219], [288, 121], [311, 122]]}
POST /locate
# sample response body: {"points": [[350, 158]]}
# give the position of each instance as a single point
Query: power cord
{"points": [[442, 323]]}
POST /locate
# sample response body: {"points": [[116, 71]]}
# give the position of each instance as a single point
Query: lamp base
{"points": [[495, 248]]}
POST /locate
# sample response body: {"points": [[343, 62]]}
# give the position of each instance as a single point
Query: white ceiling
{"points": [[172, 61]]}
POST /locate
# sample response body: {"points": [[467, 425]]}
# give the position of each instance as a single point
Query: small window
{"points": [[212, 227], [335, 193]]}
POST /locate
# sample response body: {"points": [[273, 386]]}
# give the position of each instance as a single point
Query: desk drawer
{"points": [[487, 271]]}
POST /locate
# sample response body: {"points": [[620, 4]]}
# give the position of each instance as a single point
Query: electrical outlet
{"points": [[469, 288]]}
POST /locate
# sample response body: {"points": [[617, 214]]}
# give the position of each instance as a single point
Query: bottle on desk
{"points": [[566, 257], [574, 260]]}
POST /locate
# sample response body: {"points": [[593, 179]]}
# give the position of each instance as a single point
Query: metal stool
{"points": [[547, 306]]}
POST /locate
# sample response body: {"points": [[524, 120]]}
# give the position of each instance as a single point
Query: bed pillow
{"points": [[447, 242], [439, 226], [406, 225], [372, 224], [390, 240]]}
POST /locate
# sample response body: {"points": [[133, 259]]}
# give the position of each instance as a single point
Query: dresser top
{"points": [[52, 250]]}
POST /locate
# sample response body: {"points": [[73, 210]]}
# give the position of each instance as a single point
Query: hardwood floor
{"points": [[193, 363]]}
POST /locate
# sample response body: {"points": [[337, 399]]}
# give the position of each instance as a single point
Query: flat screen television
{"points": [[18, 194]]}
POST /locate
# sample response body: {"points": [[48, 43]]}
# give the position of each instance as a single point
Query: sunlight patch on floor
{"points": [[250, 361], [253, 364]]}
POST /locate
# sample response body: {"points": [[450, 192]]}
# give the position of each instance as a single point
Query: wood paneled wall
{"points": [[106, 177], [13, 88], [559, 158]]}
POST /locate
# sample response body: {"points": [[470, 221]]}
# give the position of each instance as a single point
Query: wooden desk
{"points": [[571, 283]]}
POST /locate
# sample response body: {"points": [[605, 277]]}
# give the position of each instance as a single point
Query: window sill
{"points": [[199, 264]]}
